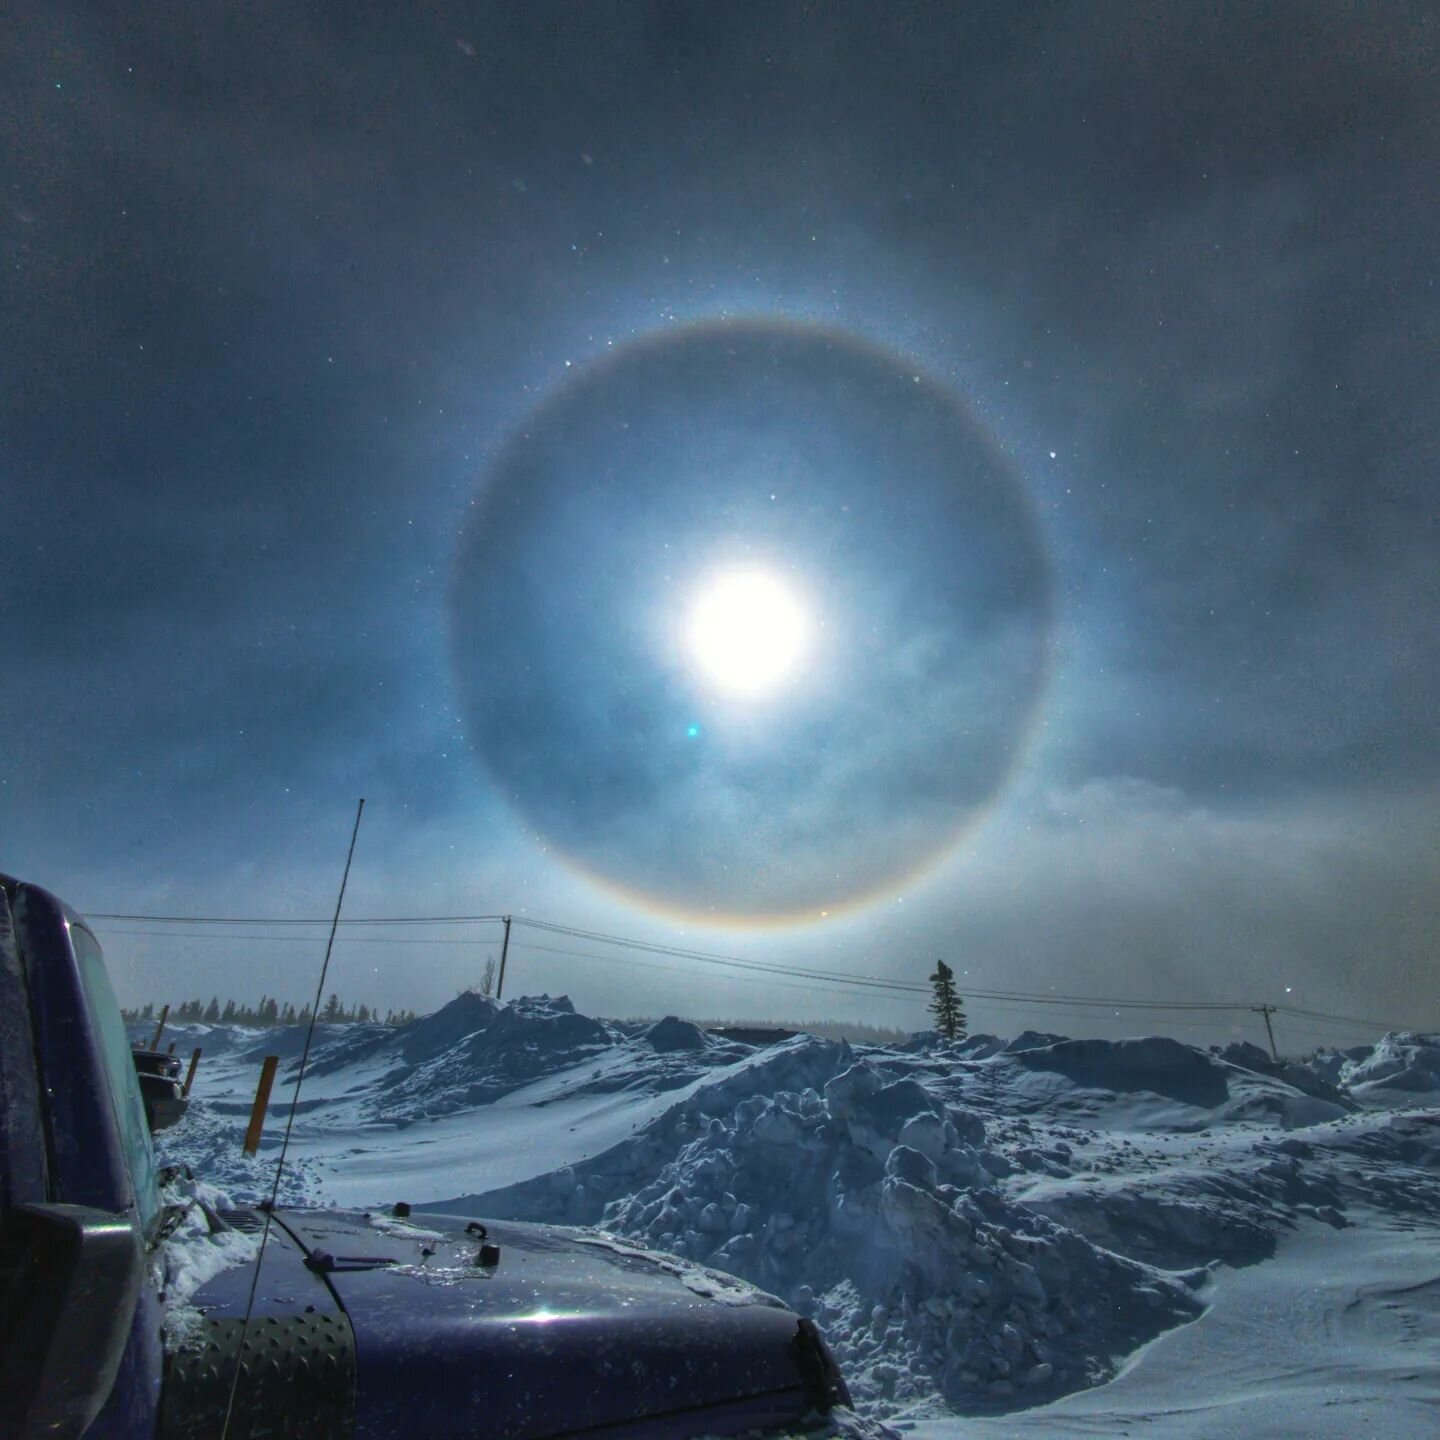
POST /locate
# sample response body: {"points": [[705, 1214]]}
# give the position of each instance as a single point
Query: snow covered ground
{"points": [[1041, 1236]]}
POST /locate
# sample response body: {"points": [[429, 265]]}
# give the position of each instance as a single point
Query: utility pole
{"points": [[504, 951], [1266, 1011]]}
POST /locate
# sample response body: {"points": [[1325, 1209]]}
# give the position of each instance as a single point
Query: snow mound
{"points": [[1033, 1040], [1161, 1083], [191, 1035], [1404, 1068], [972, 1047], [889, 1232], [197, 1247], [431, 1035], [856, 1197], [207, 1142], [1156, 1065], [476, 1050], [1306, 1078], [671, 1034], [981, 1225]]}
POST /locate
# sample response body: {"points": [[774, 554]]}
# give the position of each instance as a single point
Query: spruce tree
{"points": [[945, 1005]]}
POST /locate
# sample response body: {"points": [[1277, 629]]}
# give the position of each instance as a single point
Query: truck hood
{"points": [[562, 1331]]}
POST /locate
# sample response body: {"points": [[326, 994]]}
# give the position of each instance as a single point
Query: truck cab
{"points": [[352, 1324]]}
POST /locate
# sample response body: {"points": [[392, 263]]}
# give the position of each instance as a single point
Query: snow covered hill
{"points": [[987, 1228]]}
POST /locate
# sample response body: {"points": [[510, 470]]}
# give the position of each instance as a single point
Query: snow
{"points": [[1401, 1069], [1335, 1338], [197, 1247], [200, 1247], [1045, 1236]]}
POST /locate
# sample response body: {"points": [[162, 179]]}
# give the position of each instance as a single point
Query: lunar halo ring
{"points": [[795, 440]]}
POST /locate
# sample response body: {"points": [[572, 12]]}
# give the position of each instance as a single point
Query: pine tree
{"points": [[212, 1011], [945, 1005]]}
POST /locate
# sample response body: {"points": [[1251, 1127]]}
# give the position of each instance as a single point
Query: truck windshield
{"points": [[129, 1110]]}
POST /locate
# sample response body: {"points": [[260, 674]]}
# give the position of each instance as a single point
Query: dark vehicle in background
{"points": [[362, 1325], [160, 1087]]}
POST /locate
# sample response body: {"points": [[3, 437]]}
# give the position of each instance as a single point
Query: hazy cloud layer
{"points": [[282, 285]]}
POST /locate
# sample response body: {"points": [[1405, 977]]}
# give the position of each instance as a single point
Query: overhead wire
{"points": [[289, 939], [1003, 1006], [907, 986], [847, 982], [296, 920], [808, 987]]}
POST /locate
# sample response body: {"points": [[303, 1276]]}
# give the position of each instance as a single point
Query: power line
{"points": [[834, 979], [248, 939], [731, 961], [847, 982], [1007, 1002], [296, 920], [1337, 1019], [907, 986], [1005, 1007], [808, 987]]}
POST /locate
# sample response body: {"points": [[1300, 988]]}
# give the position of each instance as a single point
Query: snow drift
{"points": [[983, 1225]]}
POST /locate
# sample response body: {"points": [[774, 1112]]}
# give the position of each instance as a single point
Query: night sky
{"points": [[386, 393]]}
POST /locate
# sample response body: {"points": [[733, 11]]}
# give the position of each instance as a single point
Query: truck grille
{"points": [[297, 1380]]}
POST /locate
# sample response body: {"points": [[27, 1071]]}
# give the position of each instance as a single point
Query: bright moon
{"points": [[746, 632]]}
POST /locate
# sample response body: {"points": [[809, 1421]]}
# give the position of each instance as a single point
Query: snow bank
{"points": [[1403, 1069], [863, 1206], [1157, 1083], [982, 1223], [475, 1051], [194, 1035], [198, 1246], [510, 1045], [1306, 1078], [1156, 1065], [869, 1202], [672, 1034], [207, 1141]]}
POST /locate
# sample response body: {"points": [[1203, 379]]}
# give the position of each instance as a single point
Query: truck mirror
{"points": [[74, 1277]]}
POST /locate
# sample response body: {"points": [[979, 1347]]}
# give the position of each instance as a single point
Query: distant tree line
{"points": [[269, 1012]]}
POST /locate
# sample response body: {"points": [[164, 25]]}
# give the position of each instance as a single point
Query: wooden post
{"points": [[504, 951], [170, 1048], [160, 1028], [262, 1103], [190, 1074], [1266, 1011]]}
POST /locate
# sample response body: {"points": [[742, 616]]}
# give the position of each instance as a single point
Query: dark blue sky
{"points": [[286, 290]]}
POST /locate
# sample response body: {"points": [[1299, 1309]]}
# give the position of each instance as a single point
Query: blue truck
{"points": [[353, 1324]]}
